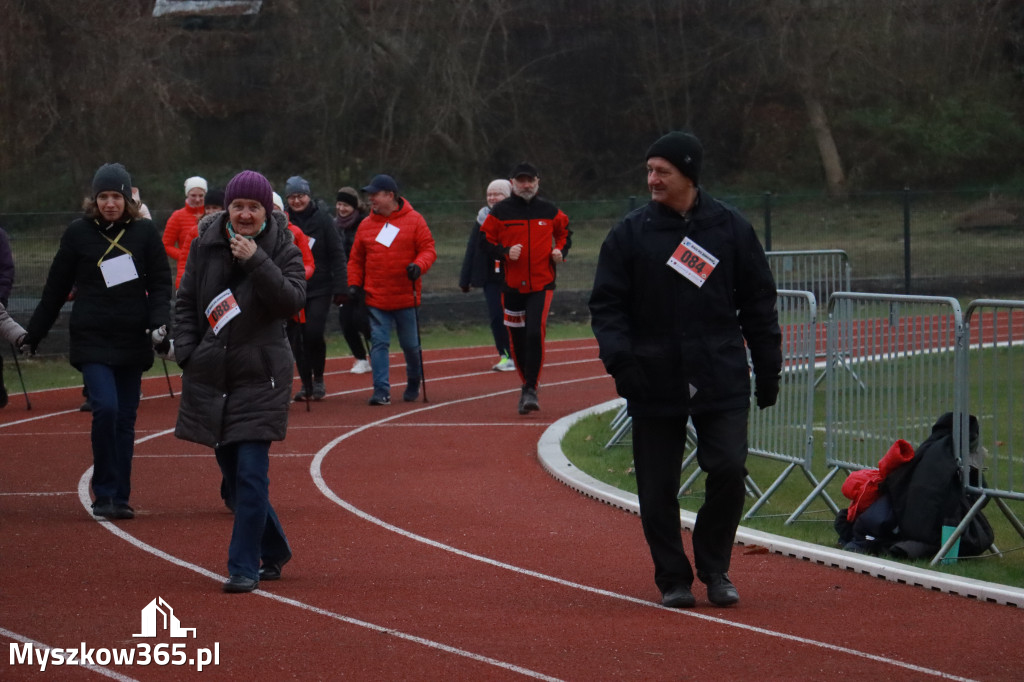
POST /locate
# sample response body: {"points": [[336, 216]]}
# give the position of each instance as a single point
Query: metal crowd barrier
{"points": [[901, 367], [993, 390], [785, 432]]}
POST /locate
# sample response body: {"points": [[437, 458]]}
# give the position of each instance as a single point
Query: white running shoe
{"points": [[506, 364], [361, 367]]}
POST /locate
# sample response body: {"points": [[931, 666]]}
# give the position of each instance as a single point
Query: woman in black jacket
{"points": [[243, 280], [117, 264], [353, 316]]}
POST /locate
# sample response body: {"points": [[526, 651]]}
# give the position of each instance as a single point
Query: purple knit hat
{"points": [[250, 185]]}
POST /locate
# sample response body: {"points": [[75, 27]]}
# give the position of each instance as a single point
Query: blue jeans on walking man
{"points": [[381, 322]]}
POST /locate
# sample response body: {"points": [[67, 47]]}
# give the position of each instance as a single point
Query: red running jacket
{"points": [[540, 227]]}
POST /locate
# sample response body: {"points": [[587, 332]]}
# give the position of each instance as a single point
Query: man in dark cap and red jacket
{"points": [[682, 291], [530, 234]]}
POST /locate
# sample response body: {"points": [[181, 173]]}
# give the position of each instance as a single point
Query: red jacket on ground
{"points": [[380, 269], [861, 487], [180, 230]]}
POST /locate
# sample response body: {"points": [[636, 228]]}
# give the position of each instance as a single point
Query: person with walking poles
{"points": [[116, 263], [243, 280], [488, 274], [393, 249], [328, 283], [681, 284], [530, 235]]}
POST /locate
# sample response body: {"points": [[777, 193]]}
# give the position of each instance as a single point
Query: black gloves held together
{"points": [[766, 391], [630, 381], [413, 271]]}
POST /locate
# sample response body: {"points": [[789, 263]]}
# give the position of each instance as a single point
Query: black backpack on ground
{"points": [[927, 494]]}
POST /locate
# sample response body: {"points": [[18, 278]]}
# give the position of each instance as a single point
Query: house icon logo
{"points": [[166, 620]]}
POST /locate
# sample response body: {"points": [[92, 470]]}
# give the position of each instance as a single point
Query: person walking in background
{"points": [[117, 266], [213, 201], [352, 315], [243, 279], [6, 287], [392, 250], [483, 272], [327, 284], [180, 229], [681, 284], [531, 235]]}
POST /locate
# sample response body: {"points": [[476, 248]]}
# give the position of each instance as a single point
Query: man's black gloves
{"points": [[630, 382], [766, 391], [355, 294], [413, 271]]}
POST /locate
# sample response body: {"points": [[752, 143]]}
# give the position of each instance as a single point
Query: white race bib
{"points": [[118, 270], [387, 234]]}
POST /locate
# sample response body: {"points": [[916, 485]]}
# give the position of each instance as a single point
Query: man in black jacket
{"points": [[681, 283]]}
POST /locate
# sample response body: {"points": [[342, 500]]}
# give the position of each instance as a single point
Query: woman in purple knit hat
{"points": [[243, 280]]}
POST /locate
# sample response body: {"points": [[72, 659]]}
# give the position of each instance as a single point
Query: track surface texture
{"points": [[429, 544]]}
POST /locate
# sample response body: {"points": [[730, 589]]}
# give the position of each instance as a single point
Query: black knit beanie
{"points": [[682, 150], [112, 177], [348, 195]]}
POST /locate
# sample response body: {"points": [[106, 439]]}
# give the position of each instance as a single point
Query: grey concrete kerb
{"points": [[549, 451]]}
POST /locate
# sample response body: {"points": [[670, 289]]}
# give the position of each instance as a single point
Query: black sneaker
{"points": [[319, 390], [721, 591], [104, 506], [379, 399], [123, 511], [412, 391], [528, 400], [86, 406], [239, 583], [302, 394], [679, 597], [271, 570]]}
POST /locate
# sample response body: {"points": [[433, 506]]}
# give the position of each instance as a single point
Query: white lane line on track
{"points": [[83, 496], [83, 491], [88, 666], [315, 472]]}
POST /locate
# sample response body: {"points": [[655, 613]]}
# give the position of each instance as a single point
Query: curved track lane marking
{"points": [[83, 496], [315, 466], [88, 666], [315, 472]]}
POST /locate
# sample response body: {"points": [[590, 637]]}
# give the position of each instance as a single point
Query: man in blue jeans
{"points": [[393, 248]]}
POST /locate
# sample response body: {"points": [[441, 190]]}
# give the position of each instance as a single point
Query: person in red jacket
{"points": [[393, 247], [181, 228], [531, 235]]}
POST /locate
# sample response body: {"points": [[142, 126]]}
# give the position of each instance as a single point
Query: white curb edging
{"points": [[549, 451]]}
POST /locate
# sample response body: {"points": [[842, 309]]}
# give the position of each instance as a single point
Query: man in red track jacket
{"points": [[531, 234], [393, 247]]}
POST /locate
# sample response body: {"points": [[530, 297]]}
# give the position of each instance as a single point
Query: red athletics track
{"points": [[429, 545]]}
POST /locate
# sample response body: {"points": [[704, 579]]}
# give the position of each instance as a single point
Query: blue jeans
{"points": [[257, 533], [114, 395], [381, 322]]}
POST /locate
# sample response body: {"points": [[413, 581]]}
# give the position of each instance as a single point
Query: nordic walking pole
{"points": [[419, 342], [168, 375], [14, 353]]}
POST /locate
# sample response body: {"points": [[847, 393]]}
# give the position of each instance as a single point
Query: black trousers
{"points": [[314, 344], [659, 445], [527, 337], [354, 320]]}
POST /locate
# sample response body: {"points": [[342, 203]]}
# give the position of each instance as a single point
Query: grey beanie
{"points": [[296, 184], [682, 150], [112, 177]]}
